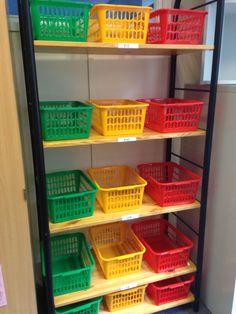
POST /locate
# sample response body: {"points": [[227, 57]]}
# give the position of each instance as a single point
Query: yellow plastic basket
{"points": [[118, 250], [110, 23], [120, 188], [124, 299], [118, 116]]}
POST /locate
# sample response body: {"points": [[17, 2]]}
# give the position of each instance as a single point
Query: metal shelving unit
{"points": [[149, 208]]}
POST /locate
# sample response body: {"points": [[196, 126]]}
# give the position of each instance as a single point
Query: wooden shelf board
{"points": [[101, 286], [149, 307], [149, 208], [96, 138], [116, 49]]}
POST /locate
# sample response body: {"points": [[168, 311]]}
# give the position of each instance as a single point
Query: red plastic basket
{"points": [[172, 114], [170, 290], [169, 183], [174, 26], [166, 247]]}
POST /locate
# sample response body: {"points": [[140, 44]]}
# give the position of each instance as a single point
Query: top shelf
{"points": [[44, 46]]}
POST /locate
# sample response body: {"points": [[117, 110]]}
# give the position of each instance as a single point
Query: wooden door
{"points": [[15, 246]]}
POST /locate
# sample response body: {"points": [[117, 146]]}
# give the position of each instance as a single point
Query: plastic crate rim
{"points": [[196, 178], [62, 2], [77, 305], [132, 104], [81, 106], [122, 257], [119, 7], [188, 246], [181, 103], [176, 285], [142, 182], [125, 256], [91, 183], [177, 11]]}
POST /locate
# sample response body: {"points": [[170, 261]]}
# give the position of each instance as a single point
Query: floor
{"points": [[186, 310]]}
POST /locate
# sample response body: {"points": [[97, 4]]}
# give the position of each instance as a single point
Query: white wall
{"points": [[79, 78], [220, 246], [220, 254]]}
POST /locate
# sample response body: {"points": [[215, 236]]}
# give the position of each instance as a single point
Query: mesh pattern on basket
{"points": [[72, 263], [169, 183], [124, 299], [65, 120], [60, 20], [166, 247], [86, 307], [118, 24], [174, 26], [71, 195], [118, 116], [120, 188], [173, 115], [118, 250], [170, 290]]}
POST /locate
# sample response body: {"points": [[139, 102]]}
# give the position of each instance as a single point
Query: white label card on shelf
{"points": [[129, 286], [130, 217], [128, 46], [127, 139]]}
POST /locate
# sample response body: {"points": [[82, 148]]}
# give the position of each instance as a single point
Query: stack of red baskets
{"points": [[166, 249]]}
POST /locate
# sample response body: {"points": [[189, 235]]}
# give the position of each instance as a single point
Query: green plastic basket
{"points": [[72, 263], [71, 195], [86, 307], [65, 120], [60, 20]]}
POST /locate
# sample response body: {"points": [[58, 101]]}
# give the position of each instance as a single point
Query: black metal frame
{"points": [[38, 152], [37, 145], [208, 142]]}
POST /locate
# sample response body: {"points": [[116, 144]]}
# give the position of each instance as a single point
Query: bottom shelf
{"points": [[101, 286], [148, 307]]}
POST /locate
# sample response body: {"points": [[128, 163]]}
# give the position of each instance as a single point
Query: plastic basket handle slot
{"points": [[176, 285], [181, 284], [127, 187], [120, 258], [173, 252]]}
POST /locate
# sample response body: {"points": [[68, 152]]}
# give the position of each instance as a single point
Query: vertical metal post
{"points": [[173, 64], [36, 140], [172, 87], [208, 148]]}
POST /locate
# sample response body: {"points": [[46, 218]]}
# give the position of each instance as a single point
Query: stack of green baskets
{"points": [[86, 307], [71, 195], [72, 263], [60, 20], [65, 120]]}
